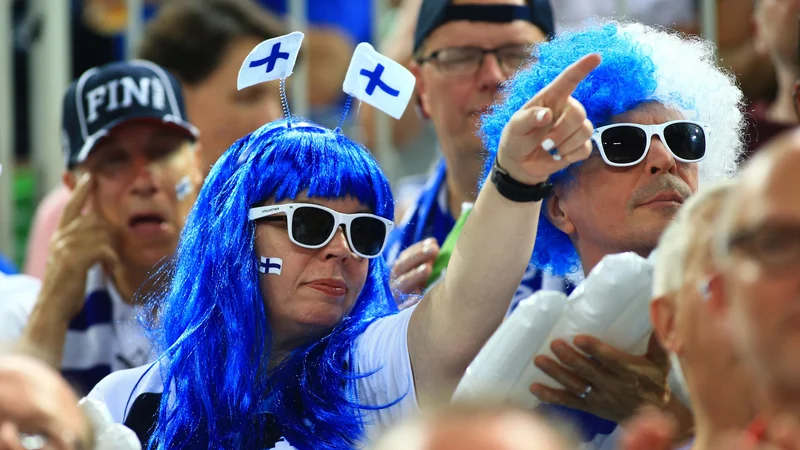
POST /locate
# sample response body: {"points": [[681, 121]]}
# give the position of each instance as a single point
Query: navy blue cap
{"points": [[435, 13], [107, 96]]}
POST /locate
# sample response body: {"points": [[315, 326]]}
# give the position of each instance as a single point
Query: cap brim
{"points": [[168, 121]]}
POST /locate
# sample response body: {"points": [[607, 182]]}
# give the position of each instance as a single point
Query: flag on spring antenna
{"points": [[270, 60], [379, 81]]}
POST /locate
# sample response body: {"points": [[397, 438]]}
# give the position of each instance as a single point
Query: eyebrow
{"points": [[364, 210]]}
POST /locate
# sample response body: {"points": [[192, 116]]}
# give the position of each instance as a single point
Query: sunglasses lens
{"points": [[686, 140], [368, 235], [623, 144], [311, 226]]}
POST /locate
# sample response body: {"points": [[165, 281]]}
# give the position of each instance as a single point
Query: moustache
{"points": [[665, 183]]}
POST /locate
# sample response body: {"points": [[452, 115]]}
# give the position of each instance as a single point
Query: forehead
{"points": [[344, 204], [771, 191], [650, 113]]}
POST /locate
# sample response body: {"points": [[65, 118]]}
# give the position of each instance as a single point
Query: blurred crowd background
{"points": [[47, 43]]}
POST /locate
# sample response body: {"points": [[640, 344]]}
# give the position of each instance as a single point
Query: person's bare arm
{"points": [[454, 319]]}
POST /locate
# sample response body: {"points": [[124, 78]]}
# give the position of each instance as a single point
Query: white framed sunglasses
{"points": [[313, 226], [627, 144]]}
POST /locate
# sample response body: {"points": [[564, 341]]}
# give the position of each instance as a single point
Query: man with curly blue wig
{"points": [[666, 120]]}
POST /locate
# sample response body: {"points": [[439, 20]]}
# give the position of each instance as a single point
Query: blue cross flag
{"points": [[379, 81], [270, 60], [270, 265]]}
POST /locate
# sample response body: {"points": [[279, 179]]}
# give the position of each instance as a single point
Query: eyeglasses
{"points": [[775, 246], [627, 144], [467, 60], [313, 226]]}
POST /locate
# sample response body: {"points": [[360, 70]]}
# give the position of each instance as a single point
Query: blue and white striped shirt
{"points": [[104, 337]]}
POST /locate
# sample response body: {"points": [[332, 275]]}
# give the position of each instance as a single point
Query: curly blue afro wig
{"points": [[640, 64]]}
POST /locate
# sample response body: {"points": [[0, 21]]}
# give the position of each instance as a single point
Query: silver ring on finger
{"points": [[586, 392]]}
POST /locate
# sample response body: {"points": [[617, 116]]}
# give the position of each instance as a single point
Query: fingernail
{"points": [[421, 269], [540, 115], [548, 144], [559, 346]]}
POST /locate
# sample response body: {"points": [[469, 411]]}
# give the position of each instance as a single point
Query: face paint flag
{"points": [[183, 187], [379, 81], [270, 265], [270, 60]]}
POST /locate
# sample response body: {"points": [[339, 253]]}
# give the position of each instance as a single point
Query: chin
{"points": [[152, 256], [324, 318]]}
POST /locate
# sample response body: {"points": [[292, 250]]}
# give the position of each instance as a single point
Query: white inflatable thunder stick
{"points": [[108, 435], [506, 354], [611, 304]]}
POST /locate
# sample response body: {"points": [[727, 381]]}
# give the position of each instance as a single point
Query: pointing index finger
{"points": [[555, 94], [77, 200]]}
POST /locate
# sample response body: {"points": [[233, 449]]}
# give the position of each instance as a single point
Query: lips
{"points": [[148, 224], [480, 110], [664, 198], [331, 287]]}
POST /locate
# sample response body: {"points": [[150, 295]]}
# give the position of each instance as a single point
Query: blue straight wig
{"points": [[640, 64], [211, 325]]}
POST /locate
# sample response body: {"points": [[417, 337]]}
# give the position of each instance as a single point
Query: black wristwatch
{"points": [[516, 191]]}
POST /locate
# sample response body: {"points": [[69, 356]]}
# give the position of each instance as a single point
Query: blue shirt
{"points": [[6, 266]]}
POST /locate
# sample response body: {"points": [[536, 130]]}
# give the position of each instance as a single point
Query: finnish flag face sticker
{"points": [[379, 81], [270, 265], [272, 59]]}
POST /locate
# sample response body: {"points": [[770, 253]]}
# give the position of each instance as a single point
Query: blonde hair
{"points": [[679, 238]]}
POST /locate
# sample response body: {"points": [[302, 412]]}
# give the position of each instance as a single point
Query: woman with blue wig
{"points": [[278, 328]]}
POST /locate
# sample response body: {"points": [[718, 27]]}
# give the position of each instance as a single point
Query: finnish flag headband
{"points": [[371, 77]]}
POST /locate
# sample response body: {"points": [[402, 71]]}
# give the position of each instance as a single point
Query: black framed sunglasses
{"points": [[313, 226], [627, 144], [467, 60]]}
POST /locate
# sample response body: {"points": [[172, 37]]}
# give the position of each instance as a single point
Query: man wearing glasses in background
{"points": [[463, 51]]}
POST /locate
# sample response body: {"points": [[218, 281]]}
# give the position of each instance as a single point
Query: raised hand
{"points": [[551, 122], [81, 240], [412, 269]]}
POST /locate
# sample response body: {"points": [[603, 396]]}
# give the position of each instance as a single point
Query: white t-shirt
{"points": [[383, 347], [103, 338]]}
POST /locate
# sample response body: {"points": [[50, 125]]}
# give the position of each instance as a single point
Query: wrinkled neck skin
{"points": [[462, 182], [591, 255], [135, 285], [716, 417]]}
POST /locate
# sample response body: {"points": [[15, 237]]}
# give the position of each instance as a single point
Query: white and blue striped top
{"points": [[103, 338]]}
